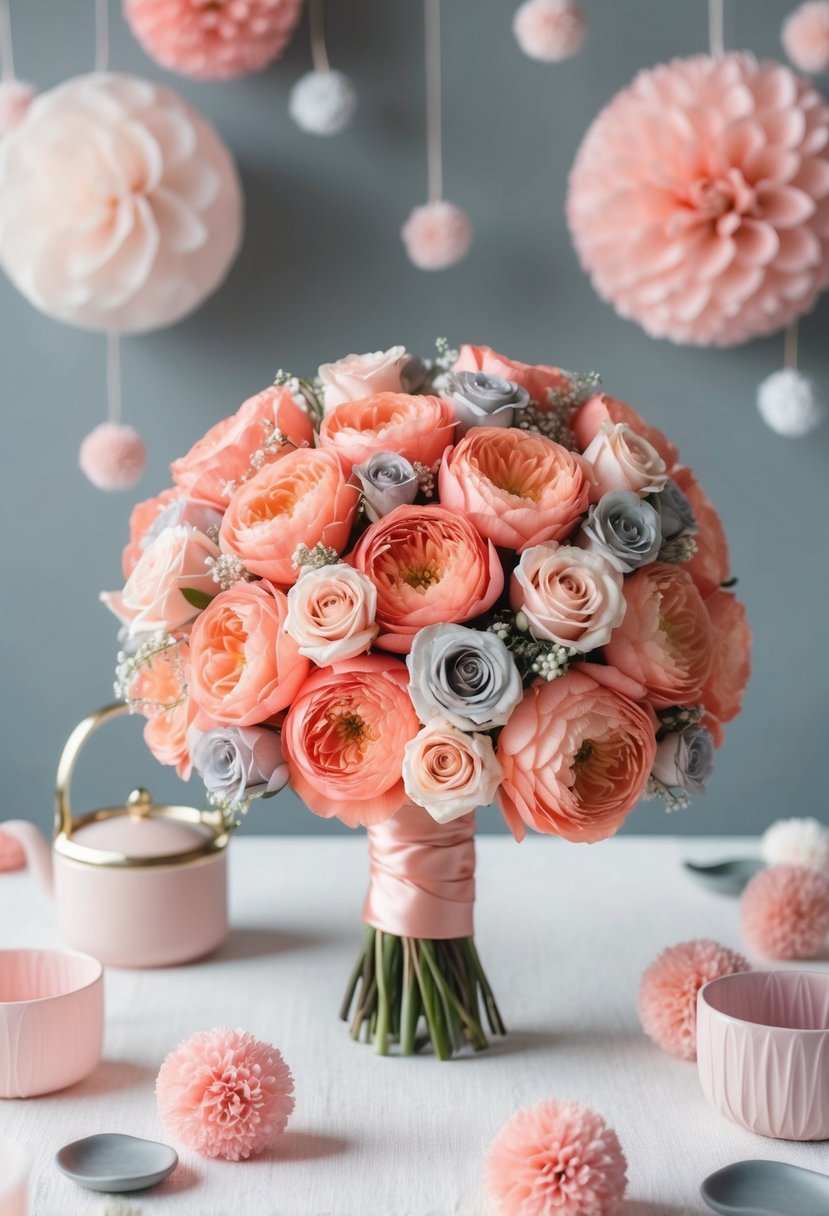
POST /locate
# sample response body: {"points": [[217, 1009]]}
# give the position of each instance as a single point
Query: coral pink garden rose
{"points": [[622, 460], [345, 736], [722, 693], [159, 689], [665, 639], [516, 487], [576, 756], [359, 376], [222, 456], [152, 597], [429, 566], [419, 428], [587, 421], [568, 595], [711, 565], [536, 378], [302, 498], [331, 613], [244, 667], [142, 517]]}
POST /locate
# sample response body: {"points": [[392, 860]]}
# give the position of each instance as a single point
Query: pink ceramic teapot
{"points": [[138, 885]]}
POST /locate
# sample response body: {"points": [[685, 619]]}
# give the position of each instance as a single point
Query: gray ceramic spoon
{"points": [[726, 877], [114, 1163], [766, 1188]]}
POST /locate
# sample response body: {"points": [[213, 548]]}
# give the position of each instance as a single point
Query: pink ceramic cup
{"points": [[14, 1169], [763, 1051], [51, 1020]]}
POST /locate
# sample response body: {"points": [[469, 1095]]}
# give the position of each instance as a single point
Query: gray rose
{"points": [[465, 676], [483, 400], [387, 481], [182, 511], [685, 759], [623, 529], [675, 512], [238, 762]]}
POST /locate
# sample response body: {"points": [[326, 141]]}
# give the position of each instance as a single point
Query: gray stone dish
{"points": [[725, 877], [114, 1163], [766, 1188]]}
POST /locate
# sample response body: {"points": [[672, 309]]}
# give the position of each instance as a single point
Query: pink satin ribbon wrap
{"points": [[422, 876]]}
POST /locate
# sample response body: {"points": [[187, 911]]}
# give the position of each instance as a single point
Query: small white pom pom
{"points": [[797, 842], [437, 235], [322, 103], [15, 98], [113, 456], [789, 403], [550, 30]]}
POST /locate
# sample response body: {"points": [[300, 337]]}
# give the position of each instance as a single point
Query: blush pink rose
{"points": [[345, 736], [302, 498], [722, 693], [450, 772], [587, 421], [142, 517], [223, 455], [568, 595], [419, 428], [711, 564], [244, 667], [576, 756], [331, 613], [359, 376], [152, 597], [665, 639], [429, 566], [516, 487], [536, 378], [622, 460]]}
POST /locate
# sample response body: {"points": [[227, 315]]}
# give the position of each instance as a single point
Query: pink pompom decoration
{"points": [[216, 40], [437, 235], [15, 98], [805, 36], [225, 1093], [699, 199], [556, 1159], [669, 987], [550, 30], [785, 912], [113, 456], [12, 856]]}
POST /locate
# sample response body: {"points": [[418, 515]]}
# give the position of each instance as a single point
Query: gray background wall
{"points": [[323, 273]]}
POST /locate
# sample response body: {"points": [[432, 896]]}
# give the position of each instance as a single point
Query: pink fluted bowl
{"points": [[763, 1051], [51, 1020]]}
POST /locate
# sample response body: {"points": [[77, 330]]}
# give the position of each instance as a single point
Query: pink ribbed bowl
{"points": [[763, 1051]]}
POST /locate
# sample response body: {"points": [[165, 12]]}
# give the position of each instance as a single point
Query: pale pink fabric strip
{"points": [[422, 877]]}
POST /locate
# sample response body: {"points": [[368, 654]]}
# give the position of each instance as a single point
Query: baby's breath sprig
{"points": [[675, 800], [447, 356], [677, 717], [129, 667], [227, 570], [533, 656], [552, 418], [306, 393], [321, 555], [231, 811], [580, 387], [679, 549]]}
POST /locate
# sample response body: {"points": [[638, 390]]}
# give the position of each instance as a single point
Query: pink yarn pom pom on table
{"points": [[12, 856], [550, 30], [805, 36], [556, 1159], [225, 1093], [15, 98], [113, 456], [669, 988], [437, 235], [785, 912]]}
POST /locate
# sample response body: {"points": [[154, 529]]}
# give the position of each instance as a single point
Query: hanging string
{"points": [[319, 51], [434, 148], [6, 50], [101, 35], [716, 27], [113, 378], [790, 342]]}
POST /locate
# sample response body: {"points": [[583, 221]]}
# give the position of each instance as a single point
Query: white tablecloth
{"points": [[564, 933]]}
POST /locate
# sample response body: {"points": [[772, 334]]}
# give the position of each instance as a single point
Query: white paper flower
{"points": [[798, 842]]}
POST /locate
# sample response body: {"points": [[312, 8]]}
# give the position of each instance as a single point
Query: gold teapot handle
{"points": [[69, 758]]}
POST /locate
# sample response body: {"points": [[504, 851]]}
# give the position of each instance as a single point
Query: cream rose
{"points": [[358, 376], [568, 595], [449, 772], [331, 613], [623, 460], [152, 598]]}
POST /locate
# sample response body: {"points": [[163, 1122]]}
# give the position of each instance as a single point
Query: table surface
{"points": [[564, 932]]}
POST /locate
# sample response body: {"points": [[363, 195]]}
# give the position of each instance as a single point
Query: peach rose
{"points": [[142, 517], [344, 739], [359, 376], [429, 566], [536, 378], [166, 737], [302, 498], [516, 487], [576, 756], [722, 692], [568, 595], [244, 667], [587, 421], [449, 772], [152, 597], [331, 613], [711, 564], [223, 455], [419, 428], [158, 690], [665, 639], [622, 460]]}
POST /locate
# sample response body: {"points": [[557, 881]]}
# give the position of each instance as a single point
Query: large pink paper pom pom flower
{"points": [[556, 1159], [112, 456], [12, 856], [785, 912], [699, 199], [225, 1093], [437, 235], [550, 30], [805, 36], [213, 39], [669, 987]]}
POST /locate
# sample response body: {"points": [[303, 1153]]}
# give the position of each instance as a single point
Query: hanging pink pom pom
{"points": [[15, 98], [785, 912], [437, 235], [113, 456], [12, 856], [550, 30], [805, 36]]}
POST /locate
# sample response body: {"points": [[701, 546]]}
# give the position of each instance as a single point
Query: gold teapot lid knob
{"points": [[139, 803]]}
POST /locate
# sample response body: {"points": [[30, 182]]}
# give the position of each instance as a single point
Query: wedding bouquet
{"points": [[409, 589]]}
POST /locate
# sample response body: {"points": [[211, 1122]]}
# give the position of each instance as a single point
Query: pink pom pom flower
{"points": [[15, 98], [669, 987], [113, 456], [699, 199], [437, 235], [12, 856], [556, 1159], [550, 30], [785, 912], [216, 40], [225, 1093], [805, 36]]}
